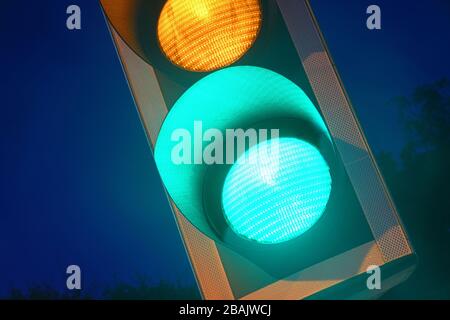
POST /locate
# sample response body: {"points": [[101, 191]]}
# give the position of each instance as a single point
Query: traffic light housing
{"points": [[306, 225]]}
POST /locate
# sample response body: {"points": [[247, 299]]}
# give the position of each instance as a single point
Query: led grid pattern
{"points": [[276, 191], [205, 35]]}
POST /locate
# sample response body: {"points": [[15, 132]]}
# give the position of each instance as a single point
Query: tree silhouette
{"points": [[419, 184], [43, 292], [143, 290]]}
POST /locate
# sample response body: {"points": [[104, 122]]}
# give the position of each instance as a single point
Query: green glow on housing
{"points": [[234, 97], [276, 191]]}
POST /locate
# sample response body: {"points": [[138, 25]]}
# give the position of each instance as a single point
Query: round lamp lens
{"points": [[276, 191], [205, 35]]}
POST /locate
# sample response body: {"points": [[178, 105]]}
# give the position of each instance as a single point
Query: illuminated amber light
{"points": [[205, 35]]}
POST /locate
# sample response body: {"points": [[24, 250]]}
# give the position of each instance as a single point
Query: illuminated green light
{"points": [[230, 98], [276, 191]]}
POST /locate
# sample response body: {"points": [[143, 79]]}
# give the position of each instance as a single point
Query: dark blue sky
{"points": [[412, 49], [78, 183]]}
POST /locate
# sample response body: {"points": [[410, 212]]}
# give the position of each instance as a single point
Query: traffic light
{"points": [[273, 185]]}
